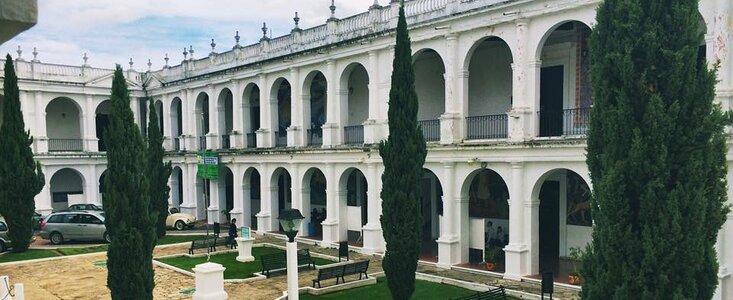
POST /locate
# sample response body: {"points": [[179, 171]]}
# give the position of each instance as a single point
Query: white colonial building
{"points": [[504, 104]]}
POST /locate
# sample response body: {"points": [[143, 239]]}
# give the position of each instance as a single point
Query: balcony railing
{"points": [[354, 135], [430, 130], [252, 140], [177, 144], [565, 122], [315, 136], [281, 138], [65, 145], [202, 142], [487, 127], [225, 141]]}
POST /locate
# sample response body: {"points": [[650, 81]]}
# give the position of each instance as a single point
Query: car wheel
{"points": [[106, 238], [2, 247], [56, 238], [180, 225]]}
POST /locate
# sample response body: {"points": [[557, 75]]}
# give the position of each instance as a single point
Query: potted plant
{"points": [[576, 253], [491, 255]]}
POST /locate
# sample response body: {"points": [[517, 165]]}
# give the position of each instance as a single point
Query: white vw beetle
{"points": [[179, 220]]}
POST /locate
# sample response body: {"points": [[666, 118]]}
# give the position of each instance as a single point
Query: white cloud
{"points": [[113, 31]]}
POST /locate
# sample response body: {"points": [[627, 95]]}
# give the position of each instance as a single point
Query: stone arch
{"points": [[67, 187], [101, 186], [560, 192], [489, 92], [431, 206], [430, 88], [158, 105], [313, 197], [101, 121], [281, 95], [202, 117], [176, 192], [64, 126], [315, 97], [281, 194], [564, 94], [176, 122], [251, 195], [225, 112], [251, 113], [352, 192], [354, 102], [226, 193]]}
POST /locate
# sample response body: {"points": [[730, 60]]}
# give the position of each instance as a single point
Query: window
{"points": [[90, 219], [56, 219], [72, 218]]}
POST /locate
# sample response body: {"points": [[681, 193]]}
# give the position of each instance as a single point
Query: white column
{"points": [[212, 138], [41, 137], [373, 239], [265, 138], [237, 134], [332, 127], [90, 184], [173, 195], [264, 217], [522, 113], [450, 120], [189, 190], [331, 223], [295, 131], [296, 189], [532, 231], [213, 214], [374, 130], [189, 121], [292, 263], [448, 243], [43, 199], [517, 252], [89, 130], [238, 209], [167, 130]]}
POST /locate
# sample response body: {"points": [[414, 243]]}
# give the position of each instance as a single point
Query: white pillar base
{"points": [[263, 221], [237, 214], [244, 245], [373, 239], [213, 215], [330, 231], [515, 261], [449, 251], [209, 282]]}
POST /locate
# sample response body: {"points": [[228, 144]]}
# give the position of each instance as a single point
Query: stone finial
{"points": [[166, 60], [185, 53], [375, 5], [213, 47], [35, 55], [20, 53], [131, 63], [264, 32], [86, 59], [236, 39], [333, 11], [296, 19], [150, 64], [190, 50]]}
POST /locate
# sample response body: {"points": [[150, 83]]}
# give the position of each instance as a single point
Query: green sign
{"points": [[208, 164]]}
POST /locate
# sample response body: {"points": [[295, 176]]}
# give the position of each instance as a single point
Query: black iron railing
{"points": [[566, 122], [202, 142], [281, 138], [252, 140], [354, 135], [63, 145], [225, 144], [430, 130], [315, 136], [177, 144], [487, 127]]}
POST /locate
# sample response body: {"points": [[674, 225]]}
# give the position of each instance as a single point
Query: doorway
{"points": [[549, 242], [551, 101]]}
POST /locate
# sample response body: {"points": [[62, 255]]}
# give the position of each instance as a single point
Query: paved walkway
{"points": [[84, 277]]}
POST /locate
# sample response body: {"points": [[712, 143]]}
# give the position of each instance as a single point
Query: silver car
{"points": [[77, 225]]}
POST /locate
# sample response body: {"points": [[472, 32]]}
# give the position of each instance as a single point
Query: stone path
{"points": [[78, 277]]}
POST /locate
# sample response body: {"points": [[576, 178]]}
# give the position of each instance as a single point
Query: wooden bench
{"points": [[359, 267], [304, 258], [492, 294], [273, 261], [329, 273], [201, 244], [219, 241]]}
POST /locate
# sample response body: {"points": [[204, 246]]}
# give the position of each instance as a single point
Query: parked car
{"points": [[179, 220], [59, 227], [4, 240], [83, 207]]}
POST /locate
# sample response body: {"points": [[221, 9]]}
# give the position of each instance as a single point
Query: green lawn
{"points": [[424, 290], [30, 254], [234, 268], [82, 250], [173, 239]]}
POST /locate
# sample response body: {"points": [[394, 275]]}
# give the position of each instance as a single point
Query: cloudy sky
{"points": [[113, 31]]}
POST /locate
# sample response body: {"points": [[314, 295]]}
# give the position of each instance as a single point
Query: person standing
{"points": [[232, 234]]}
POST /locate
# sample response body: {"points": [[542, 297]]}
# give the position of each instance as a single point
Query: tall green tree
{"points": [[129, 221], [158, 172], [21, 178], [656, 154], [403, 155]]}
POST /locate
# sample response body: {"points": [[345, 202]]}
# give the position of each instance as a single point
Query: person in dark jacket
{"points": [[232, 233]]}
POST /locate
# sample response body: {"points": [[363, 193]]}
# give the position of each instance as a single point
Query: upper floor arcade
{"points": [[486, 71]]}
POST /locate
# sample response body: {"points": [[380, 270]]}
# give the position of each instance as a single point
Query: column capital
{"points": [[451, 36], [522, 21], [516, 164]]}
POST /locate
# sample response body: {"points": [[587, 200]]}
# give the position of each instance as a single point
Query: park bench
{"points": [[219, 241], [339, 272], [492, 294], [359, 267], [329, 273], [206, 243], [276, 261]]}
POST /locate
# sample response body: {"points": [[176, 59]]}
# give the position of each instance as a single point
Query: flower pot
{"points": [[574, 279], [490, 266]]}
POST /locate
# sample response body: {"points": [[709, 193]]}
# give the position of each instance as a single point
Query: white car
{"points": [[179, 220]]}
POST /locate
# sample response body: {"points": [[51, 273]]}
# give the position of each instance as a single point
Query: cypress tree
{"points": [[129, 222], [656, 155], [158, 172], [21, 178], [403, 155]]}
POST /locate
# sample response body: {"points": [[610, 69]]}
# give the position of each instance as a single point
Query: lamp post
{"points": [[290, 220]]}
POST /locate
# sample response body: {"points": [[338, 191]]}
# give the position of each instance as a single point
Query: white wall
{"points": [[490, 80]]}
